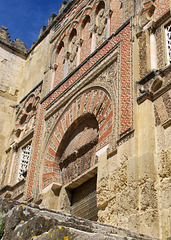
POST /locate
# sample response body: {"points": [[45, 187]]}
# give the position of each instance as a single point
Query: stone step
{"points": [[28, 221]]}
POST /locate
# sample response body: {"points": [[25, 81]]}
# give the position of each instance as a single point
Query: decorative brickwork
{"points": [[116, 7], [142, 55], [78, 33], [162, 6], [95, 104], [160, 42]]}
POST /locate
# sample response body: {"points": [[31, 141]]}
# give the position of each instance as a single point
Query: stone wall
{"points": [[36, 64], [12, 59]]}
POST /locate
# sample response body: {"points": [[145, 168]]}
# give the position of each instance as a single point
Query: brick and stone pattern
{"points": [[117, 11], [89, 30], [125, 75], [162, 6], [86, 37], [92, 106]]}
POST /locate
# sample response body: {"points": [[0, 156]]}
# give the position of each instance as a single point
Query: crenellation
{"points": [[63, 5], [4, 33], [16, 45], [51, 19], [42, 30]]}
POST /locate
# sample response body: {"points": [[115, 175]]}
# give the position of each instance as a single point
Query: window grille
{"points": [[56, 27], [25, 157], [168, 42]]}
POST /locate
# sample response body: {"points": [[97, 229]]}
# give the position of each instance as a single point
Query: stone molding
{"points": [[13, 191], [153, 85]]}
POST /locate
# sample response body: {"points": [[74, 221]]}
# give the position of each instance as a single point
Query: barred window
{"points": [[25, 157], [168, 42], [56, 27]]}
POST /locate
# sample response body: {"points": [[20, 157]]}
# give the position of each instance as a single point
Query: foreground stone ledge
{"points": [[26, 221]]}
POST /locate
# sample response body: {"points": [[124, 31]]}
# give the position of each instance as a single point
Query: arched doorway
{"points": [[77, 150], [76, 155], [71, 161], [84, 201]]}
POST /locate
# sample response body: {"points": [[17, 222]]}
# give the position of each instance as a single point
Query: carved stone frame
{"points": [[89, 80]]}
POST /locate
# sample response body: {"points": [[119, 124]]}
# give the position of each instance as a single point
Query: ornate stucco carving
{"points": [[107, 78], [26, 116], [95, 103], [147, 11], [101, 21]]}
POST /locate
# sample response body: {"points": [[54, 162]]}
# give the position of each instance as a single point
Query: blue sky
{"points": [[24, 18]]}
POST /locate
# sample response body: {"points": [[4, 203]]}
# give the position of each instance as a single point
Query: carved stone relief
{"points": [[162, 109], [73, 48], [73, 53], [110, 78], [26, 116], [75, 153], [93, 97], [159, 45], [147, 11], [25, 121], [101, 21], [168, 42]]}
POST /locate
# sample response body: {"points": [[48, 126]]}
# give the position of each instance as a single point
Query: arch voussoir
{"points": [[92, 104]]}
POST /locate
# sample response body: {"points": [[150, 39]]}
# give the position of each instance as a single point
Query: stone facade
{"points": [[89, 104]]}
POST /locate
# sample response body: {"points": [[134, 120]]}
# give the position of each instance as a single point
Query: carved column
{"points": [[79, 43], [11, 167], [66, 56], [93, 38], [54, 68], [153, 53], [108, 16]]}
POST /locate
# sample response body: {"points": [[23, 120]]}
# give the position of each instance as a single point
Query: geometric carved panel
{"points": [[168, 42], [24, 162]]}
